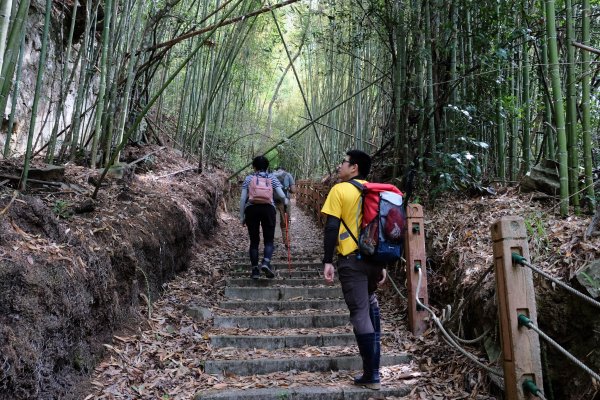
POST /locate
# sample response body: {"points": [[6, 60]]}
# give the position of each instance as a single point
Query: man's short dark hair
{"points": [[260, 163], [362, 160]]}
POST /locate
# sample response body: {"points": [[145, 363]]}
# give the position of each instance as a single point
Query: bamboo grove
{"points": [[467, 92]]}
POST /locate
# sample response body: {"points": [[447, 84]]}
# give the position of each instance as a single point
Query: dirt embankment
{"points": [[73, 272], [460, 276]]}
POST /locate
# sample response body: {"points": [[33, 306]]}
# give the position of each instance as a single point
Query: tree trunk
{"points": [[585, 109], [558, 107], [37, 94]]}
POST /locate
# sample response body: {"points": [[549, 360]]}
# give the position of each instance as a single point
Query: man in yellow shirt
{"points": [[358, 276]]}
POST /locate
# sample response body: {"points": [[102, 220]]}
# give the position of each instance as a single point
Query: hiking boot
{"points": [[255, 273], [266, 268], [369, 349]]}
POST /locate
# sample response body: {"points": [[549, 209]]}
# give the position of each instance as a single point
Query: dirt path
{"points": [[166, 357]]}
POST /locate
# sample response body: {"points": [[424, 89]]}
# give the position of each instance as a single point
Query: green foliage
{"points": [[62, 209], [458, 170], [538, 237], [591, 281], [283, 396]]}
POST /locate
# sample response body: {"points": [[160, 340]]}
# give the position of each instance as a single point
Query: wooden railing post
{"points": [[414, 250], [515, 292]]}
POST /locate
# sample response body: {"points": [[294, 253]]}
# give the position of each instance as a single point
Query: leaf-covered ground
{"points": [[164, 359], [161, 353]]}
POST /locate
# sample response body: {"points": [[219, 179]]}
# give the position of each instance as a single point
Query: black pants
{"points": [[257, 216], [359, 281]]}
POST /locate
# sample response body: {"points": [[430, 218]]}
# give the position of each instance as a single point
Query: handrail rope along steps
{"points": [[528, 386], [445, 333], [447, 337], [524, 321], [518, 259], [454, 336], [469, 341], [396, 287]]}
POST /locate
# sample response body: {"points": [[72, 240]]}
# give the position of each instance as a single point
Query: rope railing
{"points": [[448, 337], [469, 341], [518, 259], [524, 321], [396, 287], [517, 308]]}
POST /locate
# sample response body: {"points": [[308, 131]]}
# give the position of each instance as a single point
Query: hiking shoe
{"points": [[268, 271], [255, 273]]}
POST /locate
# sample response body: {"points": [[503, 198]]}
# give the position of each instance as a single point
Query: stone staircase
{"points": [[295, 323]]}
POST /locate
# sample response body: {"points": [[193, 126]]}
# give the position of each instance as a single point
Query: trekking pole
{"points": [[287, 243]]}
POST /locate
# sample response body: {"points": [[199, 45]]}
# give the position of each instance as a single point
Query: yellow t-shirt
{"points": [[344, 202]]}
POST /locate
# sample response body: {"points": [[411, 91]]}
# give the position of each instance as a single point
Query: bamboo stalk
{"points": [[37, 94]]}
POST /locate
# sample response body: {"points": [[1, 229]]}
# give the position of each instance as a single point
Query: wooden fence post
{"points": [[515, 293], [414, 250]]}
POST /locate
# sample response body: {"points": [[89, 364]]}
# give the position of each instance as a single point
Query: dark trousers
{"points": [[257, 216], [359, 281]]}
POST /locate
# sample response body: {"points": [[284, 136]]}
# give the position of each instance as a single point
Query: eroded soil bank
{"points": [[463, 283], [74, 271]]}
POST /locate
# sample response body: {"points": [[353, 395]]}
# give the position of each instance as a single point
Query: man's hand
{"points": [[382, 277], [328, 273]]}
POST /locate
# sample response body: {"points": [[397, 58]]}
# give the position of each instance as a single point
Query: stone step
{"points": [[282, 342], [281, 253], [281, 321], [307, 393], [245, 265], [264, 282], [283, 273], [324, 304], [283, 293], [267, 365]]}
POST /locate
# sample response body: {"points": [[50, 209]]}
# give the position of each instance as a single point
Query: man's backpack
{"points": [[281, 175], [260, 190], [383, 224]]}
